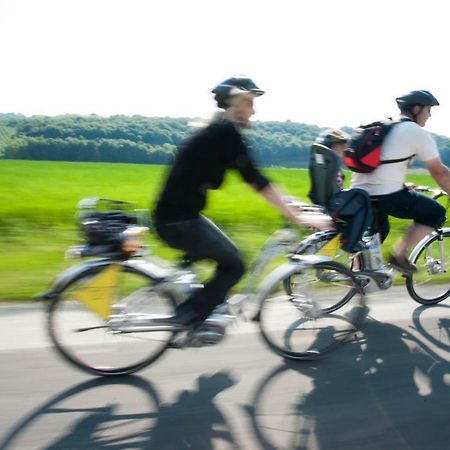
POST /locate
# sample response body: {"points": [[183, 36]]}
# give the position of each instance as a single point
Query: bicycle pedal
{"points": [[207, 338], [204, 336]]}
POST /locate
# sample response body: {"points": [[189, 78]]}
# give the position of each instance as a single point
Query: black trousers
{"points": [[407, 204], [202, 239]]}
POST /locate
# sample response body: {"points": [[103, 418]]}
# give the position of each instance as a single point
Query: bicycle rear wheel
{"points": [[295, 324], [81, 318], [431, 283]]}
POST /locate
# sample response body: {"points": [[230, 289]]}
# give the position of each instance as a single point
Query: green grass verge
{"points": [[38, 201]]}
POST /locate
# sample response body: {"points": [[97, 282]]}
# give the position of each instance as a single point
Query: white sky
{"points": [[323, 62]]}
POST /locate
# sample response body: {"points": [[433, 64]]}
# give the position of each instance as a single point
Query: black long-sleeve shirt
{"points": [[201, 165]]}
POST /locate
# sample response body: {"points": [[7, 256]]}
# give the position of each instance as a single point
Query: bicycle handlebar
{"points": [[436, 193]]}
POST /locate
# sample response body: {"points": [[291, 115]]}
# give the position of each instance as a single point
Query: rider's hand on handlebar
{"points": [[318, 221]]}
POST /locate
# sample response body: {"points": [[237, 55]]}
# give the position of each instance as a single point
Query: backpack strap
{"points": [[392, 161]]}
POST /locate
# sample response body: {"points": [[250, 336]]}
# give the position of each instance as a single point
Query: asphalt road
{"points": [[389, 389]]}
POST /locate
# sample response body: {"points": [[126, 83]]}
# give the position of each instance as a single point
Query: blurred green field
{"points": [[38, 201]]}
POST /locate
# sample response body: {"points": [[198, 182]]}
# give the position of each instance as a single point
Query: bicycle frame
{"points": [[316, 242], [374, 275]]}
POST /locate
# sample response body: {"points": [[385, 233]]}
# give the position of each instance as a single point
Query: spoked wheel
{"points": [[431, 283], [92, 322], [293, 284], [295, 325]]}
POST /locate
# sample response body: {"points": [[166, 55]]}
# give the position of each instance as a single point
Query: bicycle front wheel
{"points": [[295, 324], [328, 244], [431, 283], [80, 320]]}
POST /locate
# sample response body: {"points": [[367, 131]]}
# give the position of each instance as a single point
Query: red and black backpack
{"points": [[363, 154]]}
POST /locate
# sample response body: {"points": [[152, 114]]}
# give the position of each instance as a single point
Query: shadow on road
{"points": [[433, 323], [124, 414], [194, 421], [90, 415], [384, 391]]}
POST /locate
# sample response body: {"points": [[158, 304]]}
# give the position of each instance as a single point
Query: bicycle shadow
{"points": [[383, 391], [123, 414], [437, 328], [90, 421]]}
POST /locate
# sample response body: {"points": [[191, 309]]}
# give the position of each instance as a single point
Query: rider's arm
{"points": [[319, 221], [439, 172], [243, 162]]}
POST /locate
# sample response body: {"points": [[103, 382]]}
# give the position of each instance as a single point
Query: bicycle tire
{"points": [[430, 284], [290, 285], [85, 339], [294, 330]]}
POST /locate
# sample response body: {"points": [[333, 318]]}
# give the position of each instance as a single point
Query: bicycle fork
{"points": [[436, 266]]}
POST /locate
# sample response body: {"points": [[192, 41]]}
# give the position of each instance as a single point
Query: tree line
{"points": [[147, 140]]}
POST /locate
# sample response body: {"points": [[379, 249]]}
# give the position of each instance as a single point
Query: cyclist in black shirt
{"points": [[201, 165]]}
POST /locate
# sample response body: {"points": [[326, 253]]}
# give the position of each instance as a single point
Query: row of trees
{"points": [[151, 140], [96, 150]]}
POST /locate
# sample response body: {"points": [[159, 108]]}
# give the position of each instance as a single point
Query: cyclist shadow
{"points": [[383, 391], [193, 421], [119, 418]]}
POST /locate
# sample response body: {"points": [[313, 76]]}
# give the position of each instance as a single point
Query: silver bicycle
{"points": [[429, 285], [105, 313]]}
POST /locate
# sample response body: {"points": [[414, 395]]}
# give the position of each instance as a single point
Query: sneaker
{"points": [[402, 264], [226, 309], [210, 332], [207, 333]]}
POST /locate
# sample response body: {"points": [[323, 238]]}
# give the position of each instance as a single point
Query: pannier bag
{"points": [[352, 211]]}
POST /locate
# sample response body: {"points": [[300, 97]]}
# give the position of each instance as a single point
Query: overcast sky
{"points": [[323, 62]]}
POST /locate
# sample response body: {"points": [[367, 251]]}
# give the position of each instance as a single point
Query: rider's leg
{"points": [[383, 226], [380, 225], [202, 239], [415, 233], [426, 212]]}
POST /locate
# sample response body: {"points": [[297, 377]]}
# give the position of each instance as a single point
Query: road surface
{"points": [[389, 390]]}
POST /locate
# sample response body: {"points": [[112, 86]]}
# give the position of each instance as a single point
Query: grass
{"points": [[38, 202]]}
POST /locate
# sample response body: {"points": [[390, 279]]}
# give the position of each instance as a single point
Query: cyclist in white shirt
{"points": [[386, 185]]}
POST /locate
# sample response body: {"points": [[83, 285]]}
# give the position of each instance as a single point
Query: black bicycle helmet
{"points": [[234, 86], [413, 98], [330, 137]]}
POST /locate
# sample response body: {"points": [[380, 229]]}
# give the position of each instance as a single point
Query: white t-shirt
{"points": [[405, 139]]}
